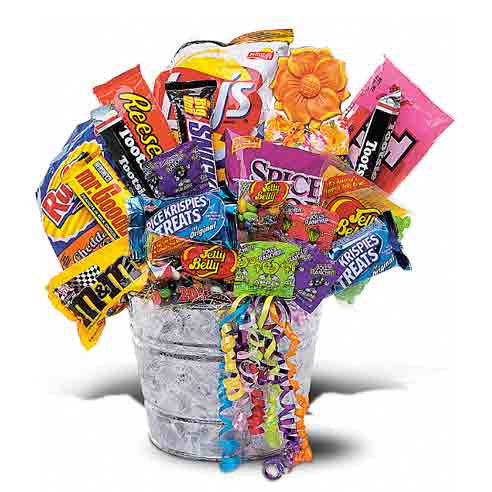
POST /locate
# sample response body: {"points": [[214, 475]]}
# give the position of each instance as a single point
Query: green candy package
{"points": [[266, 268]]}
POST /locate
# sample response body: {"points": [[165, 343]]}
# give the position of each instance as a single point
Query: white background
{"points": [[384, 415]]}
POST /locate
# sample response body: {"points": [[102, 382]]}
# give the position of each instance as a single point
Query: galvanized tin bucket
{"points": [[178, 354]]}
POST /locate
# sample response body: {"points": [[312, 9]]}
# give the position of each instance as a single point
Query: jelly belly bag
{"points": [[70, 227], [243, 69], [357, 202]]}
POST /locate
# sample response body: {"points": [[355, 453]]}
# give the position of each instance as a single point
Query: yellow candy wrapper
{"points": [[88, 291], [94, 181]]}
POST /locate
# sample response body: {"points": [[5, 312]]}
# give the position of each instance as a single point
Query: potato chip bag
{"points": [[243, 69]]}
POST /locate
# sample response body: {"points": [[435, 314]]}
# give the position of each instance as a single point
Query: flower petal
{"points": [[296, 109], [343, 76], [325, 105], [325, 53], [343, 95], [285, 83], [328, 73], [302, 62]]}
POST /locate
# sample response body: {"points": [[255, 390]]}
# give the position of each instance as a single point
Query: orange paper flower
{"points": [[310, 84]]}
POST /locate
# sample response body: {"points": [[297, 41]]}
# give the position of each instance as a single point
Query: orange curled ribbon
{"points": [[305, 454]]}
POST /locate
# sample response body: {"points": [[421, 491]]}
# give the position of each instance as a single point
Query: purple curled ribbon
{"points": [[276, 466], [230, 446]]}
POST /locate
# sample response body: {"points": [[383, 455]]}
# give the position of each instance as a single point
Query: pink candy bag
{"points": [[419, 124], [249, 157]]}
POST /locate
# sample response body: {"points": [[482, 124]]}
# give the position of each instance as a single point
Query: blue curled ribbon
{"points": [[230, 459], [230, 446]]}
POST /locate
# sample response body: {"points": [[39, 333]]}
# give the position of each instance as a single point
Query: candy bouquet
{"points": [[223, 208]]}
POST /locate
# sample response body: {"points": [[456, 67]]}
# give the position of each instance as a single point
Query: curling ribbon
{"points": [[255, 420], [256, 342], [272, 434], [266, 331], [258, 352], [275, 466], [286, 417], [230, 446], [248, 371], [233, 387], [305, 454]]}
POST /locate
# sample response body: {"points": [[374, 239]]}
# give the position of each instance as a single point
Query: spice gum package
{"points": [[243, 70], [252, 158]]}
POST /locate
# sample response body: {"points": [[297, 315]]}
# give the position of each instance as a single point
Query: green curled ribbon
{"points": [[257, 336], [272, 434]]}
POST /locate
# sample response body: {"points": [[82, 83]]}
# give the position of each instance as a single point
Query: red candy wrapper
{"points": [[309, 223], [419, 124], [132, 98]]}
